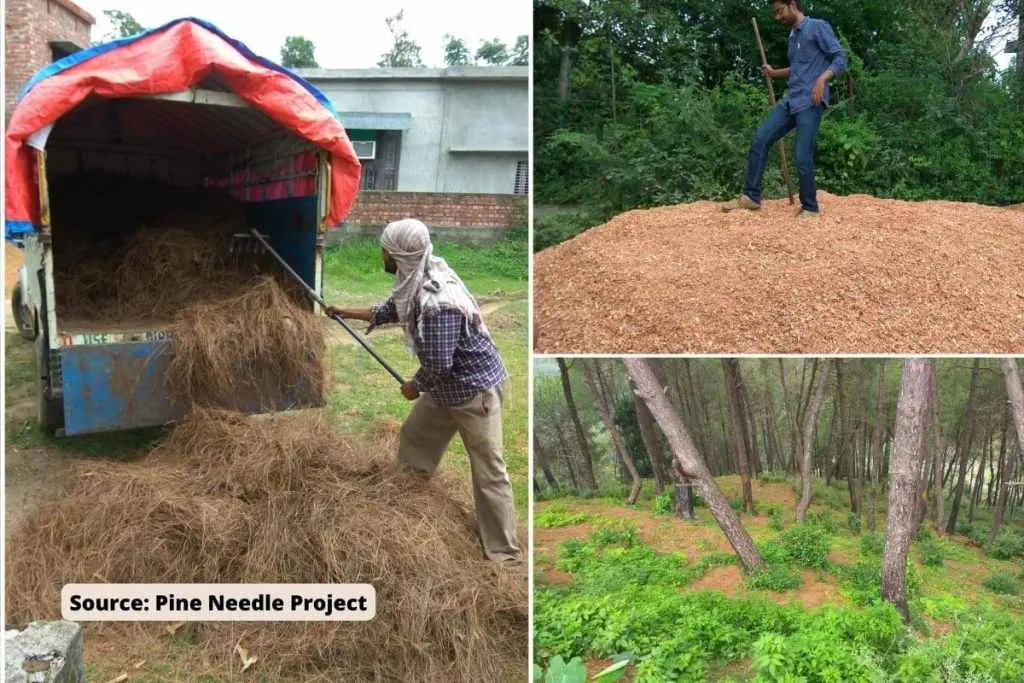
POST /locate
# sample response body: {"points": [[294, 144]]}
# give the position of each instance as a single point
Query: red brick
{"points": [[30, 25]]}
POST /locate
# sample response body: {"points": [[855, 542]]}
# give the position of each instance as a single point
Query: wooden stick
{"points": [[771, 97]]}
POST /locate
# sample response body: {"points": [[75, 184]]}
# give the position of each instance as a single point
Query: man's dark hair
{"points": [[799, 6]]}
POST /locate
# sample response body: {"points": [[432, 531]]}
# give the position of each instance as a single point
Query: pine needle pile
{"points": [[235, 499]]}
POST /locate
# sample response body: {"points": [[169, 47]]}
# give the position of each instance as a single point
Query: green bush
{"points": [[773, 477], [718, 559], [806, 545], [665, 504], [1008, 544], [823, 520], [775, 577], [872, 544], [853, 521], [1002, 583], [556, 516], [619, 532], [603, 568], [775, 519], [931, 553], [862, 582], [987, 645]]}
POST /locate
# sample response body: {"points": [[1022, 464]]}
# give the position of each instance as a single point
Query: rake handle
{"points": [[337, 318], [771, 98]]}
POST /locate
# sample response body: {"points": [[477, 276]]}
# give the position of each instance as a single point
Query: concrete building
{"points": [[449, 146], [37, 32]]}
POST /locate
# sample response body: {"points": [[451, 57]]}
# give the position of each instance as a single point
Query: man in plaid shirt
{"points": [[458, 387]]}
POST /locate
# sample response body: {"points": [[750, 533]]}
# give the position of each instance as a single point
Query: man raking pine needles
{"points": [[458, 387]]}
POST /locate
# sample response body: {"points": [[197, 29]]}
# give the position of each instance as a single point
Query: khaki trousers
{"points": [[426, 434]]}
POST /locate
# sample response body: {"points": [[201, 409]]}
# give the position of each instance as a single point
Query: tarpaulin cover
{"points": [[171, 58]]}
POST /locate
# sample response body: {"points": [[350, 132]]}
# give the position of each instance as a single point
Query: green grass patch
{"points": [[775, 578], [556, 516], [354, 272], [1002, 583]]}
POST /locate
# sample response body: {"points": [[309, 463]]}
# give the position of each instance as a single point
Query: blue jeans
{"points": [[778, 123]]}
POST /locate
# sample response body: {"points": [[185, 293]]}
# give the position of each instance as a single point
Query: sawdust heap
{"points": [[868, 276], [287, 499]]}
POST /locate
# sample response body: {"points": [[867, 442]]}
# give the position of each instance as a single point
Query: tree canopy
{"points": [[297, 53]]}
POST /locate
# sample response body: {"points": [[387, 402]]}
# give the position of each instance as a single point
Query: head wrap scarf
{"points": [[425, 279]]}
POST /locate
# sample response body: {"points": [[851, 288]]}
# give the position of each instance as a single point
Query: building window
{"points": [[381, 171], [522, 185]]}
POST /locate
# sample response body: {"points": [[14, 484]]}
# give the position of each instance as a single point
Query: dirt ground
{"points": [[868, 276], [33, 476]]}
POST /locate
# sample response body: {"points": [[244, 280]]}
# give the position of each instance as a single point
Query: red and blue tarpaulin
{"points": [[172, 58]]}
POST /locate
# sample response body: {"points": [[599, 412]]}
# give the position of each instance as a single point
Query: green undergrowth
{"points": [[557, 516], [625, 600]]}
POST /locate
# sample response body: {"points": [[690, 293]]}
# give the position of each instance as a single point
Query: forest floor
{"points": [[583, 556], [868, 276]]}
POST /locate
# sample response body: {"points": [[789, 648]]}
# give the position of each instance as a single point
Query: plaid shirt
{"points": [[456, 361]]}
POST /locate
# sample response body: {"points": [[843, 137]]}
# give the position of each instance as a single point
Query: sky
{"points": [[347, 35]]}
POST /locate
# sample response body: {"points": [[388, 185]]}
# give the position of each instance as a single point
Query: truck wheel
{"points": [[23, 317], [51, 410]]}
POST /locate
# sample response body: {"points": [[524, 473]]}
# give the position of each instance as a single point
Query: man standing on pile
{"points": [[815, 58], [458, 387]]}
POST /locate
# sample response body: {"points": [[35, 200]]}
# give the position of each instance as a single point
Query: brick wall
{"points": [[439, 210], [30, 25]]}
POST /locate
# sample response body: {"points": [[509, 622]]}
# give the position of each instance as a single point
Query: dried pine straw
{"points": [[247, 351], [286, 499], [868, 276]]}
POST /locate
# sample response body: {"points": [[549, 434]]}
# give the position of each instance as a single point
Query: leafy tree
{"points": [[521, 52], [297, 53], [123, 24], [493, 52], [404, 50], [455, 51]]}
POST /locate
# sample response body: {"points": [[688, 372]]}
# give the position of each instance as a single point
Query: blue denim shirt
{"points": [[813, 48]]}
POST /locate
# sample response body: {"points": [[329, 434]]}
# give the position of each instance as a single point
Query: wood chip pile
{"points": [[868, 276]]}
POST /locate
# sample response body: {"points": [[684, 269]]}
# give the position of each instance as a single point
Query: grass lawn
{"points": [[354, 272]]}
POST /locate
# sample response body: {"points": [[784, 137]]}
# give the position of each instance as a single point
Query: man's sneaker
{"points": [[741, 202], [804, 213]]}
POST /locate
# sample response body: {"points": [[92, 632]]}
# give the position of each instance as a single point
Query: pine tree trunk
{"points": [[999, 480], [690, 462], [732, 380], [876, 444], [794, 432], [541, 458], [939, 496], [594, 377], [810, 423], [650, 439], [979, 479], [587, 472], [1015, 391], [911, 416], [749, 426], [567, 454], [966, 454], [684, 496]]}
